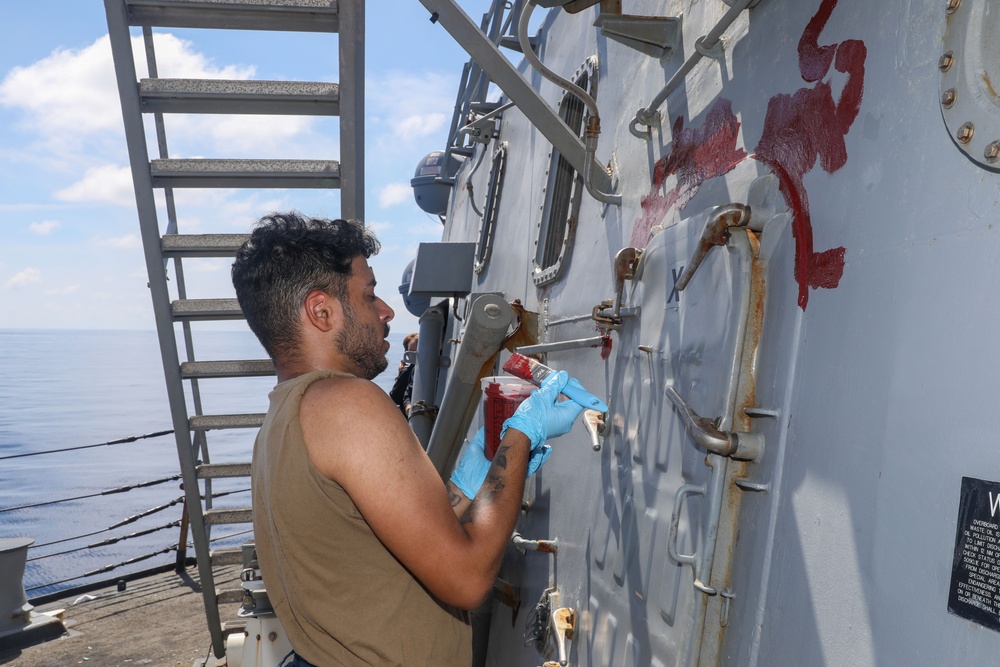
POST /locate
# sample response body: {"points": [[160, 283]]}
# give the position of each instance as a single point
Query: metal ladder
{"points": [[155, 96]]}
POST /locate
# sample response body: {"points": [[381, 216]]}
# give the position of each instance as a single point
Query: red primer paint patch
{"points": [[605, 345], [696, 155], [808, 126], [799, 130]]}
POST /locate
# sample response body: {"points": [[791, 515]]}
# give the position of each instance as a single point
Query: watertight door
{"points": [[663, 533]]}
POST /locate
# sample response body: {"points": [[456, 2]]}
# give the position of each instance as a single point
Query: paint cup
{"points": [[501, 396]]}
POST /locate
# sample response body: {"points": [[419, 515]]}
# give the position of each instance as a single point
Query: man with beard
{"points": [[367, 558]]}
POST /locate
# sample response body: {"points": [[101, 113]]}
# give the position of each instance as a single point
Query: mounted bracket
{"points": [[609, 314], [656, 36]]}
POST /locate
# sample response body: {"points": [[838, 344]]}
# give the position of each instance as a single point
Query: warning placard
{"points": [[975, 570]]}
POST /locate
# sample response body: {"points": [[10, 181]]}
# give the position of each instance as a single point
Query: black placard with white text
{"points": [[975, 572]]}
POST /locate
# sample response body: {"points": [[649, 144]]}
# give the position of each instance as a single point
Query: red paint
{"points": [[799, 129], [695, 156], [605, 344], [810, 125], [520, 367]]}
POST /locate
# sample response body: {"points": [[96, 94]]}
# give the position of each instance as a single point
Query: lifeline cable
{"points": [[120, 441], [134, 518], [226, 537], [108, 492], [131, 519], [107, 568], [110, 540]]}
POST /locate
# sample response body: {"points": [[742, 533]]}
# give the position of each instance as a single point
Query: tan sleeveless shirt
{"points": [[341, 596]]}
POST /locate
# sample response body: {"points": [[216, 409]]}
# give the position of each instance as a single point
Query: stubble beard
{"points": [[362, 344]]}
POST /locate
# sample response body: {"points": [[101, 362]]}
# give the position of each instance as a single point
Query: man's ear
{"points": [[322, 311]]}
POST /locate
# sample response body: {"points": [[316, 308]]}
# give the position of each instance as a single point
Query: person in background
{"points": [[402, 388], [366, 556]]}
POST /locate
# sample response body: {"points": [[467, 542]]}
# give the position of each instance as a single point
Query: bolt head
{"points": [[952, 5], [992, 152], [948, 98], [946, 61], [965, 132]]}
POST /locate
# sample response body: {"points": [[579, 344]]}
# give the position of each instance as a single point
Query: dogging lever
{"points": [[742, 446]]}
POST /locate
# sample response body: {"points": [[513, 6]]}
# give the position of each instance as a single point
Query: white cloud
{"points": [[62, 291], [419, 126], [394, 193], [429, 100], [73, 92], [208, 265], [107, 183], [127, 241], [29, 275], [43, 228], [247, 136], [379, 227]]}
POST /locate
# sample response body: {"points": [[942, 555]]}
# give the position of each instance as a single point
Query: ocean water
{"points": [[61, 389]]}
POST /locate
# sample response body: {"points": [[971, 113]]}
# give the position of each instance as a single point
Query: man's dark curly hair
{"points": [[286, 257]]}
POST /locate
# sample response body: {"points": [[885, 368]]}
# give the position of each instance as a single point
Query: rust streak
{"points": [[989, 85]]}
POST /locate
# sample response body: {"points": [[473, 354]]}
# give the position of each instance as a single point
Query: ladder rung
{"points": [[202, 245], [206, 309], [226, 369], [229, 595], [202, 173], [227, 556], [212, 422], [288, 15], [215, 470], [215, 517], [239, 97]]}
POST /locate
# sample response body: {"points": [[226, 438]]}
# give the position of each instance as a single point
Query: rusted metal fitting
{"points": [[593, 127], [542, 546], [948, 98], [952, 6], [716, 233], [992, 152], [946, 60], [602, 320], [965, 132]]}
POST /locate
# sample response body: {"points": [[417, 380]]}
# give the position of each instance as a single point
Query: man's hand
{"points": [[472, 467], [541, 416]]}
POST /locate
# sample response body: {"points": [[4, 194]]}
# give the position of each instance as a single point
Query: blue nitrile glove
{"points": [[539, 455], [470, 473], [541, 416]]}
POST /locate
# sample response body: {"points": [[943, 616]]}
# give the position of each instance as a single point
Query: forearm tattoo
{"points": [[493, 484], [500, 458], [453, 497]]}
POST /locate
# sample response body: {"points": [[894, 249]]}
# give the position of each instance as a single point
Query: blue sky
{"points": [[70, 255]]}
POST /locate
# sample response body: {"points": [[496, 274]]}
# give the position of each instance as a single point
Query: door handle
{"points": [[675, 519], [742, 446], [716, 233]]}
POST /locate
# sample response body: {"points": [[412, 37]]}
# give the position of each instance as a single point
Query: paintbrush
{"points": [[535, 371]]}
